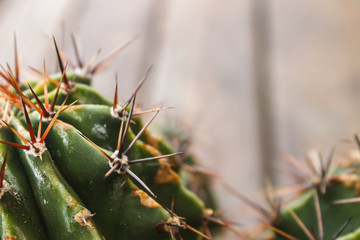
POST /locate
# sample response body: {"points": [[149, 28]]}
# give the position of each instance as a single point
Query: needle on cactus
{"points": [[68, 86], [175, 223]]}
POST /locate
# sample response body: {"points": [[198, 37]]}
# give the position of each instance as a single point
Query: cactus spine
{"points": [[79, 166]]}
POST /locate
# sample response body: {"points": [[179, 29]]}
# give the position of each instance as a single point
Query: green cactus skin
{"points": [[333, 215], [57, 201], [64, 192], [337, 218], [19, 214]]}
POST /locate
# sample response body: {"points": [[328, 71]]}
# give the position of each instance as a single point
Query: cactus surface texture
{"points": [[323, 202], [76, 165]]}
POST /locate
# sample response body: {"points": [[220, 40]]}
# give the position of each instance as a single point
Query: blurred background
{"points": [[248, 79]]}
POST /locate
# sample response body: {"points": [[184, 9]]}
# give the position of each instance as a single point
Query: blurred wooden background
{"points": [[248, 78]]}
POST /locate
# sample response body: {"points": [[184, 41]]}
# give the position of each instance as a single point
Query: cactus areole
{"points": [[76, 165]]}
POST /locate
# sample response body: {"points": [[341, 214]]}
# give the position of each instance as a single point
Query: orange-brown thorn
{"points": [[104, 63], [288, 236], [26, 147], [61, 109], [44, 112], [46, 88], [225, 224], [77, 51], [97, 147], [53, 81], [39, 127], [57, 91], [11, 80], [120, 135], [197, 232], [16, 132], [151, 111], [17, 67], [318, 215], [62, 69], [116, 94], [30, 128], [301, 225]]}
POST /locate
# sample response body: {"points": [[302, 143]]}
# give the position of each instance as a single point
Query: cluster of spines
{"points": [[118, 161], [315, 182]]}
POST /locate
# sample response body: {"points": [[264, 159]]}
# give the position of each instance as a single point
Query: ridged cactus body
{"points": [[324, 205], [87, 170]]}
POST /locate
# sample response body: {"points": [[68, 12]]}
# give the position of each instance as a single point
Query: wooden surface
{"points": [[203, 56]]}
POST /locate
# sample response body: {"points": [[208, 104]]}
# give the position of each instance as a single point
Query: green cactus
{"points": [[324, 203], [89, 169]]}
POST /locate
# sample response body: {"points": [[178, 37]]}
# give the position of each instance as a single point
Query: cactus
{"points": [[76, 165], [324, 202]]}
